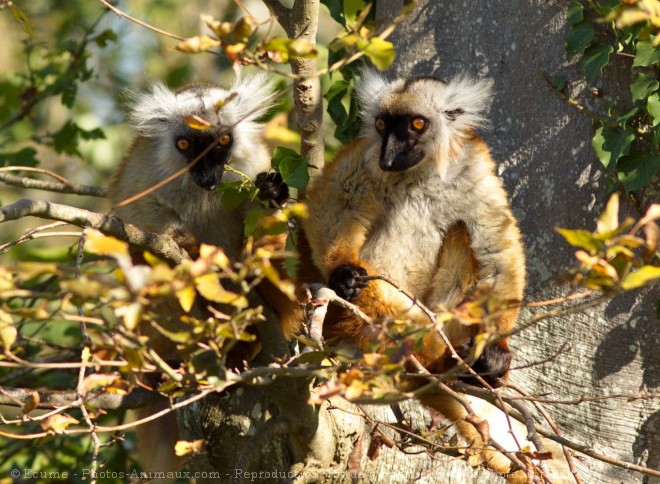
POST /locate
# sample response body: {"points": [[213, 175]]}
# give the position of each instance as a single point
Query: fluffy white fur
{"points": [[158, 114], [454, 109]]}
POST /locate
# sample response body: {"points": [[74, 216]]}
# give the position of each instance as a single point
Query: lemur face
{"points": [[215, 149], [402, 146]]}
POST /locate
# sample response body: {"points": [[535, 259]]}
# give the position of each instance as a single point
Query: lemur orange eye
{"points": [[183, 144], [380, 124], [225, 139], [418, 124]]}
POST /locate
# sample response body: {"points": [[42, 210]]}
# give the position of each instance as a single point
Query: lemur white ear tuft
{"points": [[255, 96], [465, 101], [369, 91], [152, 110]]}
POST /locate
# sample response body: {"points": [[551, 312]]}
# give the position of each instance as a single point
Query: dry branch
{"points": [[23, 182], [161, 246], [137, 398]]}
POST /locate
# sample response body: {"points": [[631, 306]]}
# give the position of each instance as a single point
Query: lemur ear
{"points": [[465, 101], [151, 110], [256, 95], [369, 91]]}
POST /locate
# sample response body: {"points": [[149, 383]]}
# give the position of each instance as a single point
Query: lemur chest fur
{"points": [[416, 215]]}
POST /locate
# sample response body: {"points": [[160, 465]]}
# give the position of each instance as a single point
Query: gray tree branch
{"points": [[161, 246]]}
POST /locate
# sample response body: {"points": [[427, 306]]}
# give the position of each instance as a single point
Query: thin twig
{"points": [[140, 22], [583, 449], [554, 427]]}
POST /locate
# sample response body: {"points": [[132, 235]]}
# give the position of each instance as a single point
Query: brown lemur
{"points": [[186, 207], [415, 198]]}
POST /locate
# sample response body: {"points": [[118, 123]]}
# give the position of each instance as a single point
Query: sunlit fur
{"points": [[189, 213], [181, 208], [437, 229], [430, 98]]}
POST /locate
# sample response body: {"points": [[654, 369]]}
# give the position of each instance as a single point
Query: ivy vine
{"points": [[627, 139]]}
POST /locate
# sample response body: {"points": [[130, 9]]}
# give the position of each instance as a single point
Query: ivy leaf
{"points": [[347, 123], [291, 166], [646, 54], [653, 107], [611, 144], [575, 13], [595, 58], [643, 86], [380, 52], [24, 157], [641, 276], [581, 35], [635, 171]]}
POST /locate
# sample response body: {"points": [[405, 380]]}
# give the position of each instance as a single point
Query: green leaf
{"points": [[643, 86], [380, 52], [653, 107], [294, 171], [233, 195], [23, 19], [611, 144], [105, 37], [646, 55], [575, 13], [635, 171], [24, 157], [336, 12], [559, 83], [595, 58], [347, 123], [581, 35], [581, 238], [291, 166], [69, 92], [640, 277]]}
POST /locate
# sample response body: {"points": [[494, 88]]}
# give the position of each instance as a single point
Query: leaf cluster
{"points": [[627, 141]]}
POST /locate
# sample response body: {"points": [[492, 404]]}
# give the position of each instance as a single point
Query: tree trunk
{"points": [[544, 152], [543, 148]]}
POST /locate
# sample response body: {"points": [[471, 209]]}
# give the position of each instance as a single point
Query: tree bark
{"points": [[554, 178]]}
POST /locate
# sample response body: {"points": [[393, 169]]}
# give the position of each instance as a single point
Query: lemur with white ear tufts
{"points": [[415, 198], [186, 207]]}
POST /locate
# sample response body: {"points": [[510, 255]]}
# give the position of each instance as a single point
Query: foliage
{"points": [[627, 138], [616, 257]]}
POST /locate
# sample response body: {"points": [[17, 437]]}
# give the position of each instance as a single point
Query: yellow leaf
{"points": [[224, 101], [210, 288], [58, 423], [131, 315], [196, 122], [183, 447], [609, 219], [380, 52], [186, 297], [641, 276], [31, 402], [8, 331], [287, 287], [197, 44], [97, 380], [100, 244]]}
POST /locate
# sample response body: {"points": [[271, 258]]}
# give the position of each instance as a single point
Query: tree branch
{"points": [[71, 188], [137, 398], [583, 449], [161, 246]]}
